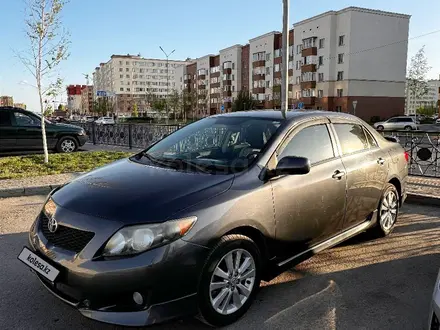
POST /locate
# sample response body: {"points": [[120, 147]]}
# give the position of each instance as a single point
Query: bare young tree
{"points": [[417, 82], [48, 46]]}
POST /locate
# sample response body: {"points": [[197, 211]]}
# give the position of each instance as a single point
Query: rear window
{"points": [[351, 137]]}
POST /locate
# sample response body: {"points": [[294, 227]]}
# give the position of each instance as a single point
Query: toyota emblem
{"points": [[52, 225]]}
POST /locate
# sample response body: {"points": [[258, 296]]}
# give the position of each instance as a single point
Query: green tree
{"points": [[175, 102], [159, 105], [135, 112], [416, 82], [48, 47], [48, 111], [61, 107], [243, 102]]}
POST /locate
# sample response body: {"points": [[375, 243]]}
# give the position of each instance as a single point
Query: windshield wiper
{"points": [[192, 164], [155, 160]]}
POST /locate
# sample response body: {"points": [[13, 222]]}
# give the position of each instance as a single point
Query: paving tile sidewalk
{"points": [[424, 186]]}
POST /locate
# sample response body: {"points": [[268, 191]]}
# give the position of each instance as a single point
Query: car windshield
{"points": [[215, 143]]}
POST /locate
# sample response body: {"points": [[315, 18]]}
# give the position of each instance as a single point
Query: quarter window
{"points": [[351, 137], [311, 142], [371, 141]]}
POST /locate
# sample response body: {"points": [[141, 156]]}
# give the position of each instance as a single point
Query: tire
{"points": [[385, 225], [213, 310], [408, 128], [380, 128], [67, 144]]}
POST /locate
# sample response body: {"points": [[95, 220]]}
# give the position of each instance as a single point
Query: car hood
{"points": [[133, 193], [68, 126]]}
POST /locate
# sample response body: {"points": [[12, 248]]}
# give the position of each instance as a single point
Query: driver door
{"points": [[310, 208], [28, 131]]}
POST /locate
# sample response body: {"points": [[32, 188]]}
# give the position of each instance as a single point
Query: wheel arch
{"points": [[396, 183]]}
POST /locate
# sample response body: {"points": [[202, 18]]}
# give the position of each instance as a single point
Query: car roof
{"points": [[291, 115]]}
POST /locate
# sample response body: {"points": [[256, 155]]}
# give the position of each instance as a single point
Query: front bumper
{"points": [[166, 277]]}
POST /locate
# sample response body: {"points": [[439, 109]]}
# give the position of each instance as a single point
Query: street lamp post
{"points": [[168, 78]]}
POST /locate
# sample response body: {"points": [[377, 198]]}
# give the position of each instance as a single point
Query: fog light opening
{"points": [[138, 298]]}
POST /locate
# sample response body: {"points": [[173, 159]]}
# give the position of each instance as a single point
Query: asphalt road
{"points": [[362, 284]]}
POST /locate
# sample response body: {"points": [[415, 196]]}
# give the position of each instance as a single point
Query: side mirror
{"points": [[292, 165]]}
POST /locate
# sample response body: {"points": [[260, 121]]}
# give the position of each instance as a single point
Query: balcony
{"points": [[201, 86], [215, 85], [227, 82], [308, 100], [227, 71], [258, 90], [277, 74], [259, 63], [308, 68], [309, 51], [258, 77], [308, 84], [227, 93], [202, 77], [215, 74]]}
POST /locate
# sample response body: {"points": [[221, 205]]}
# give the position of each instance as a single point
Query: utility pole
{"points": [[168, 79], [285, 60]]}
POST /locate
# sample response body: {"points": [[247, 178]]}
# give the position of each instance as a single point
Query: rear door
{"points": [[366, 170], [309, 208], [8, 133], [28, 131], [392, 124]]}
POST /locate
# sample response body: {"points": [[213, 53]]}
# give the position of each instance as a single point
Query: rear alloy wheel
{"points": [[380, 128], [230, 280], [67, 145], [408, 128], [387, 212]]}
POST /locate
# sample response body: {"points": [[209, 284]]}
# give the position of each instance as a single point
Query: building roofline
{"points": [[352, 8], [264, 35], [230, 47], [135, 57]]}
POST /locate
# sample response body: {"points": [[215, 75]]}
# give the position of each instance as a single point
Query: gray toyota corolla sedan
{"points": [[192, 224]]}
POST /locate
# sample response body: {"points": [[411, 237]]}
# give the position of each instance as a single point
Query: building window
{"points": [[128, 89], [339, 92], [233, 88], [268, 70], [268, 57], [299, 49], [120, 69], [121, 89], [276, 68], [233, 66], [320, 77], [277, 53], [121, 76], [309, 43], [320, 93], [298, 80], [127, 63], [259, 56], [298, 65], [341, 40], [321, 60], [340, 75], [321, 43], [340, 58]]}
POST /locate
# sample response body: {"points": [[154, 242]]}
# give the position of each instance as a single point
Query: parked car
{"points": [[406, 123], [437, 121], [20, 130], [196, 221], [105, 121], [434, 312], [88, 119]]}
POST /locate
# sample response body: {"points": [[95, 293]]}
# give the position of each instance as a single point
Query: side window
{"points": [[312, 142], [392, 120], [24, 120], [371, 141], [351, 137], [5, 120]]}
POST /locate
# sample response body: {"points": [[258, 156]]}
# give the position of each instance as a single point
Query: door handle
{"points": [[381, 161], [338, 175]]}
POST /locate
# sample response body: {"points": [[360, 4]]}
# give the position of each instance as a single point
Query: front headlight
{"points": [[82, 132], [136, 239]]}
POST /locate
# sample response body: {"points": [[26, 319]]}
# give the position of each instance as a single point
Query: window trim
{"points": [[295, 130]]}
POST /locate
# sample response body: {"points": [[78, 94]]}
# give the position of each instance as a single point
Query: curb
{"points": [[422, 200], [27, 191]]}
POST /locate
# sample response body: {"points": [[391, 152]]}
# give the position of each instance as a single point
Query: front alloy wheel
{"points": [[230, 280], [68, 146]]}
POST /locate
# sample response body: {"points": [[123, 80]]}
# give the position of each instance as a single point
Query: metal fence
{"points": [[127, 135], [423, 149]]}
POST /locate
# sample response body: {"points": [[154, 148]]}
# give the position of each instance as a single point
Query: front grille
{"points": [[65, 237], [435, 324]]}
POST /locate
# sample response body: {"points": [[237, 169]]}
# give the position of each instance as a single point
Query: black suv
{"points": [[21, 130]]}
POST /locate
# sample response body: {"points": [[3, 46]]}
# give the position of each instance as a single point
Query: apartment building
{"points": [[20, 105], [6, 101], [354, 54], [74, 99], [128, 79], [335, 58], [431, 99], [87, 99]]}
